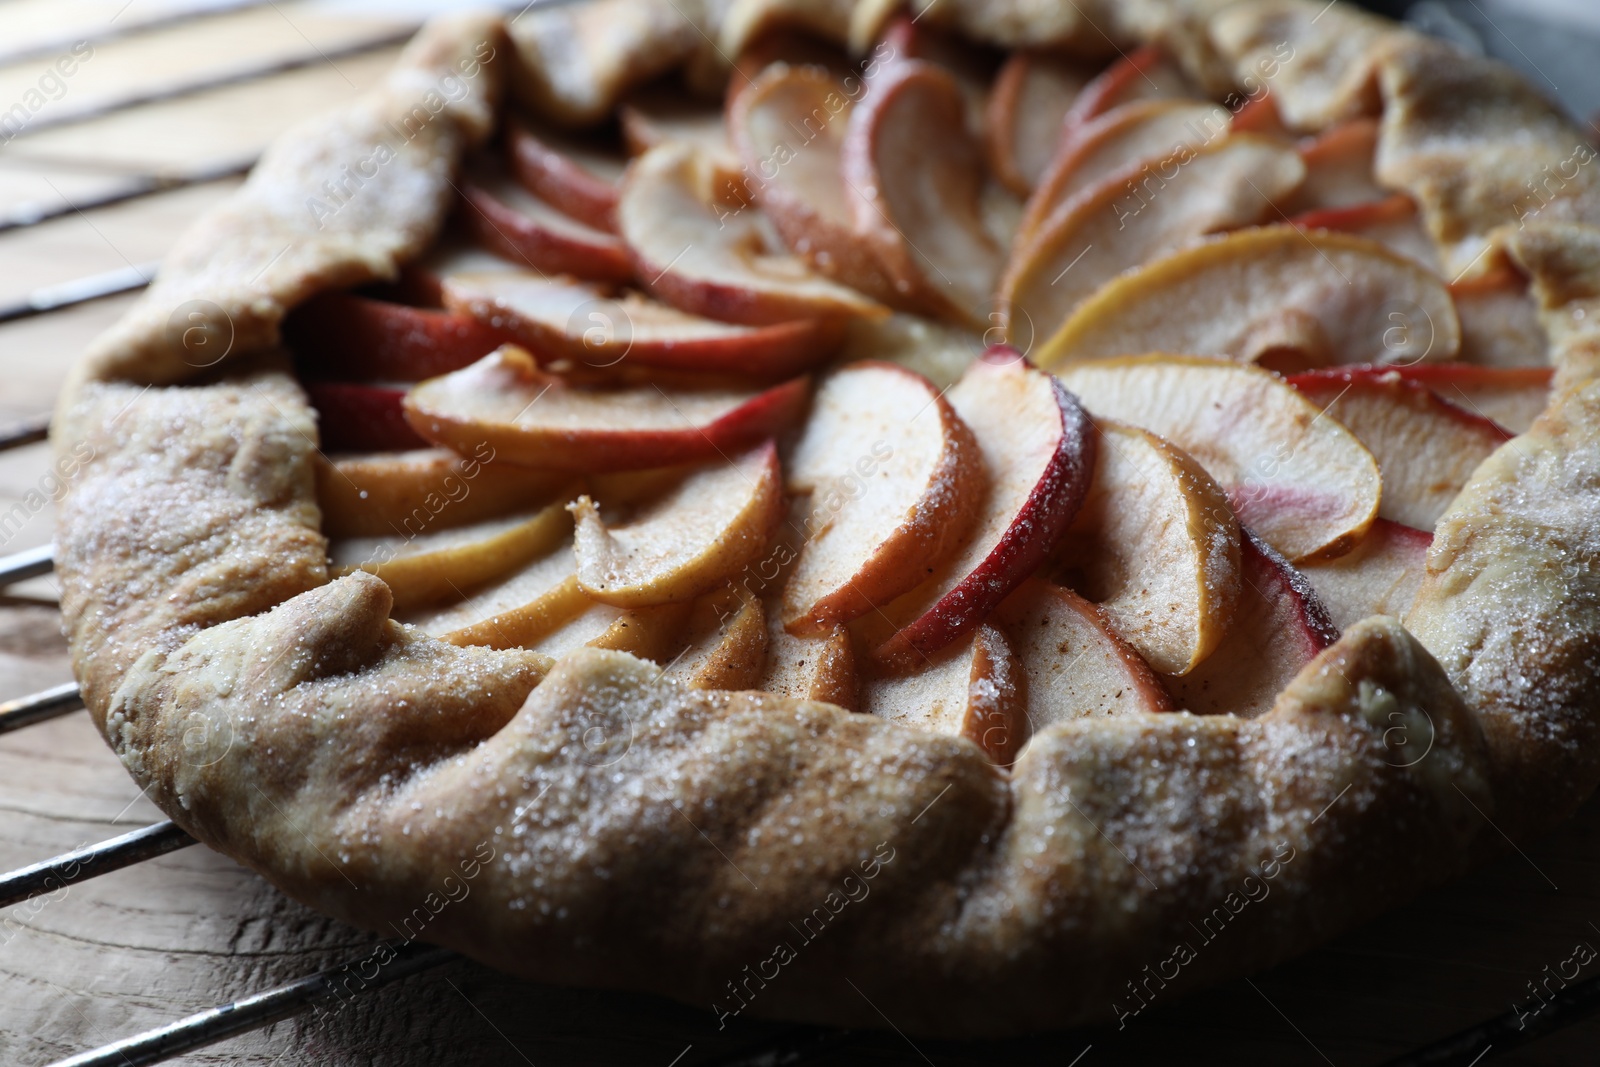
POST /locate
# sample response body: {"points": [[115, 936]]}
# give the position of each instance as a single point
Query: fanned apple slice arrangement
{"points": [[705, 385]]}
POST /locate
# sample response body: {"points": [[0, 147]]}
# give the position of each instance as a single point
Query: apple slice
{"points": [[1392, 222], [1339, 170], [1500, 321], [1512, 397], [1303, 482], [534, 419], [699, 535], [575, 321], [519, 611], [1138, 214], [1156, 546], [575, 178], [1023, 120], [1146, 73], [341, 335], [915, 180], [508, 220], [1307, 298], [650, 120], [1380, 576], [436, 566], [360, 417], [649, 633], [729, 646], [811, 668], [1038, 450], [970, 690], [1261, 115], [1278, 628], [374, 494], [714, 260], [894, 477], [788, 126], [1133, 133], [1426, 447], [1073, 663]]}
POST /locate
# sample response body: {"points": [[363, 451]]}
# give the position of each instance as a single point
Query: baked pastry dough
{"points": [[745, 850]]}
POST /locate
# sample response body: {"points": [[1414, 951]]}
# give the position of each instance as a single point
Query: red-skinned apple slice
{"points": [[1426, 447], [1038, 451], [1339, 168], [1125, 221], [910, 168], [712, 259], [380, 493], [655, 119], [1273, 293], [894, 477], [509, 221], [341, 335], [970, 690], [1278, 628], [1133, 133], [1302, 481], [576, 179], [571, 320], [696, 537], [788, 126], [1146, 73], [1380, 576], [1392, 221], [1510, 396], [1156, 546], [1500, 322], [533, 419], [361, 417], [1073, 663], [440, 565], [1023, 120], [1261, 115]]}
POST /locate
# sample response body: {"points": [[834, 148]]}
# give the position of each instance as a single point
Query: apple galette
{"points": [[866, 514]]}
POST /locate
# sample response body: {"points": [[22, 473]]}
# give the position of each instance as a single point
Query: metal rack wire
{"points": [[404, 959]]}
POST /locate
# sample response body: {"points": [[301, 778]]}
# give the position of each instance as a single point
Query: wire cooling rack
{"points": [[401, 959]]}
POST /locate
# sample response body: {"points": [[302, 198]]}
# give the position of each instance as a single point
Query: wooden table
{"points": [[178, 934]]}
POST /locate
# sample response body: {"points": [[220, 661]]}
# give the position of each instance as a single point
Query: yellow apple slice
{"points": [[1313, 298], [1073, 663], [1426, 447], [1301, 480], [694, 538], [713, 259], [811, 668], [972, 689], [518, 611], [1278, 627], [1132, 133], [728, 649], [379, 494], [533, 418], [789, 126], [1132, 217], [915, 178], [1380, 576], [1156, 547], [895, 478], [1038, 449], [1023, 120], [433, 567]]}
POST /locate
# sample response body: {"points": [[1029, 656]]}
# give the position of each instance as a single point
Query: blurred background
{"points": [[167, 104]]}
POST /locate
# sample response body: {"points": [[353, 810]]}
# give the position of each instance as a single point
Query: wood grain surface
{"points": [[148, 945]]}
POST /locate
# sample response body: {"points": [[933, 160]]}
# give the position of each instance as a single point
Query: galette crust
{"points": [[649, 836]]}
